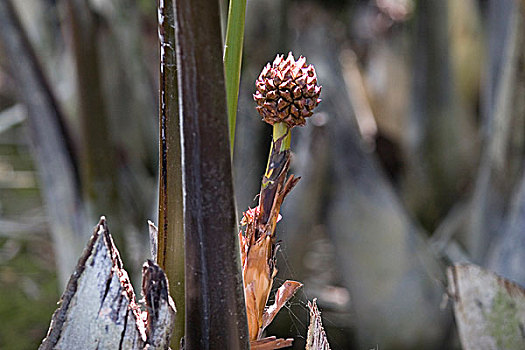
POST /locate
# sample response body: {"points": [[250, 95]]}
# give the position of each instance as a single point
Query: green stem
{"points": [[233, 61], [170, 249], [280, 130], [277, 160], [281, 135]]}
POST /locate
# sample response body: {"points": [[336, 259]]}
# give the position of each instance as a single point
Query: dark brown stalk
{"points": [[171, 217], [215, 311]]}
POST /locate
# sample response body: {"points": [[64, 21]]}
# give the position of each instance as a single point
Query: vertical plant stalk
{"points": [[97, 156], [50, 144], [215, 311], [287, 92], [170, 251], [233, 61], [258, 244]]}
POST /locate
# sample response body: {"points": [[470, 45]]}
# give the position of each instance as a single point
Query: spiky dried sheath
{"points": [[287, 91], [258, 249]]}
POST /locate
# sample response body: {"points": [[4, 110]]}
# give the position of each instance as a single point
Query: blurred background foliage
{"points": [[413, 160]]}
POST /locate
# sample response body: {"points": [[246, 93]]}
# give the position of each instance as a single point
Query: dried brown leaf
{"points": [[270, 343], [316, 338], [283, 294]]}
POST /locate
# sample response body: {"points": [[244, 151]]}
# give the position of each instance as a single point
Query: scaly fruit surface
{"points": [[287, 91]]}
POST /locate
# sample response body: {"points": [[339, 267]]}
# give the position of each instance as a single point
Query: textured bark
{"points": [[489, 310], [98, 308], [215, 311], [159, 307], [50, 144]]}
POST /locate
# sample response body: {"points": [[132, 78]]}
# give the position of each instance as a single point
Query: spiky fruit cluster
{"points": [[287, 91]]}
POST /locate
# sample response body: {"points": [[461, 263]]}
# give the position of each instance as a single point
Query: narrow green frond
{"points": [[233, 61]]}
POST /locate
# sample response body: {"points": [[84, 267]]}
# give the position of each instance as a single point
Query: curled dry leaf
{"points": [[283, 294], [270, 343]]}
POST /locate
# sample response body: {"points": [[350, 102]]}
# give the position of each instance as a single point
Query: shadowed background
{"points": [[412, 161]]}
